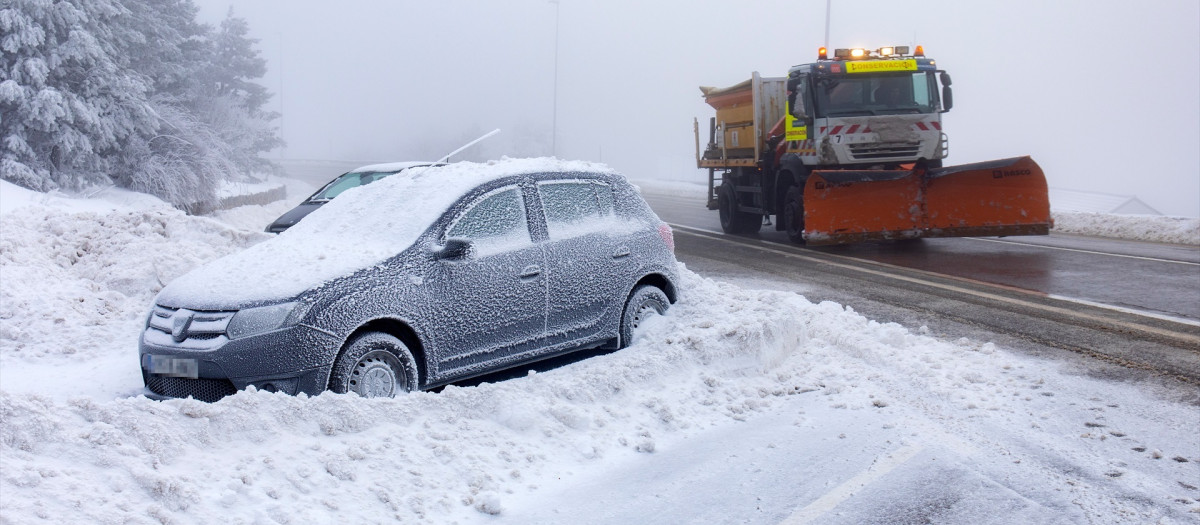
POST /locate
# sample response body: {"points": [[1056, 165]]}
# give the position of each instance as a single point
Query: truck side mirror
{"points": [[947, 98], [798, 109], [795, 102], [945, 78]]}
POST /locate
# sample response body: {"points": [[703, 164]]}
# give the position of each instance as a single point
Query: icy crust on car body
{"points": [[359, 229]]}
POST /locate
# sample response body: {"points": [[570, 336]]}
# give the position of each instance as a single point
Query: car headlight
{"points": [[254, 321]]}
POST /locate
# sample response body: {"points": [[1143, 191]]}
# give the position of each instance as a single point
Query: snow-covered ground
{"points": [[739, 406], [1173, 230]]}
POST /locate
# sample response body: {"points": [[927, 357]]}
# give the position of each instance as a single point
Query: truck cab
{"points": [[865, 109]]}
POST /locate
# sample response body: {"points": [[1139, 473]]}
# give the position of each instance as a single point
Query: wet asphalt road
{"points": [[1117, 308]]}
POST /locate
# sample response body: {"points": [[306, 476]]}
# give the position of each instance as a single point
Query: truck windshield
{"points": [[876, 94]]}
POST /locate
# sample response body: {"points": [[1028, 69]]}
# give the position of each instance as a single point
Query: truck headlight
{"points": [[254, 321]]}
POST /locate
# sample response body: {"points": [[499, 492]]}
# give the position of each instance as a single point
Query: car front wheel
{"points": [[374, 364], [645, 301]]}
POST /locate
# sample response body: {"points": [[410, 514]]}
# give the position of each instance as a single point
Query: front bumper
{"points": [[292, 360]]}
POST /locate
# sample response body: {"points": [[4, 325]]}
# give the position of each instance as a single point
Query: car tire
{"points": [[643, 302], [374, 364], [733, 221], [793, 214]]}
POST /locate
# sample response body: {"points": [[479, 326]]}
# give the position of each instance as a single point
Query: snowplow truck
{"points": [[850, 149]]}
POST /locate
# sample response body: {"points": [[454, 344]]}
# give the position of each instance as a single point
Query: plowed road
{"points": [[1105, 302]]}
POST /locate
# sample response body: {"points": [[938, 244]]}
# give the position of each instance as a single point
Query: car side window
{"points": [[574, 207], [494, 222], [604, 193]]}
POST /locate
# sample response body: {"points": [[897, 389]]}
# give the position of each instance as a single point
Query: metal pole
{"points": [[554, 122], [282, 131], [827, 3]]}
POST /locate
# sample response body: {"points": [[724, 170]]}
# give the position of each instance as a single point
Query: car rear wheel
{"points": [[374, 364], [644, 302]]}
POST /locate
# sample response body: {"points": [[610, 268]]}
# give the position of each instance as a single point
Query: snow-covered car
{"points": [[351, 179], [419, 281]]}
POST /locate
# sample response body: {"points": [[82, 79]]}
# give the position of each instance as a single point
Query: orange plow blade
{"points": [[994, 198]]}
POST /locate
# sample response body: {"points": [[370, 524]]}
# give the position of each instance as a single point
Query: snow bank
{"points": [[721, 356], [418, 457], [109, 198], [86, 279], [689, 189], [1153, 228]]}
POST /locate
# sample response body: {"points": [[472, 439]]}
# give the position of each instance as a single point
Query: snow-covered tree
{"points": [[236, 108], [135, 92], [67, 104]]}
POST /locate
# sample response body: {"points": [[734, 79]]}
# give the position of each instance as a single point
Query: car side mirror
{"points": [[455, 249]]}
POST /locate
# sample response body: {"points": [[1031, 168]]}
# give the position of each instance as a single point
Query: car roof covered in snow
{"points": [[361, 228]]}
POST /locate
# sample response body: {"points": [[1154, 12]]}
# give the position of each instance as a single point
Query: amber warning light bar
{"points": [[859, 53]]}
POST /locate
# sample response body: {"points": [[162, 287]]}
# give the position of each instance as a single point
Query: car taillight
{"points": [[664, 231]]}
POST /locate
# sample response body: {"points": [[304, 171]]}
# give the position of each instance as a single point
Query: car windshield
{"points": [[353, 179], [879, 94]]}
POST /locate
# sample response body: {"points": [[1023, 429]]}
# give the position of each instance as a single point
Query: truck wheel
{"points": [[793, 214], [733, 221]]}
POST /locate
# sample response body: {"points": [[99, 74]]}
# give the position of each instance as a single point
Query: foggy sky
{"points": [[1105, 95]]}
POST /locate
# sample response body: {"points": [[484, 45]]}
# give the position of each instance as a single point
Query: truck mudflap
{"points": [[994, 198]]}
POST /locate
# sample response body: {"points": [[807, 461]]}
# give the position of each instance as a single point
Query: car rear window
{"points": [[573, 207]]}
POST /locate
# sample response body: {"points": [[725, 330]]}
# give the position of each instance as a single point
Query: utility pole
{"points": [[827, 4], [554, 122]]}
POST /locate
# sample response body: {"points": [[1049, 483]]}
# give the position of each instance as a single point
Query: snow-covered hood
{"points": [[363, 227]]}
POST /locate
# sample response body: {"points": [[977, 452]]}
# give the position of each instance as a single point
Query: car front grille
{"points": [[207, 390], [198, 329], [885, 150]]}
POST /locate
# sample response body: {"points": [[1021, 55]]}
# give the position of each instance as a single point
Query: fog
{"points": [[1103, 94]]}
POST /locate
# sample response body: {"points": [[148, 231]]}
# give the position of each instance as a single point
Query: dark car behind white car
{"points": [[351, 179], [418, 281]]}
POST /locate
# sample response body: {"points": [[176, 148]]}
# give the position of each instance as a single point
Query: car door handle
{"points": [[623, 251], [531, 272]]}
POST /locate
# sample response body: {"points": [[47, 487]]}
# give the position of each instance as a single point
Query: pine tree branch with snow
{"points": [[135, 93]]}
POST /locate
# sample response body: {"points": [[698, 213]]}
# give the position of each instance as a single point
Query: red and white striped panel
{"points": [[802, 147], [859, 128]]}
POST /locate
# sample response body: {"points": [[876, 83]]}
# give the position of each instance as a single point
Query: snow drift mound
{"points": [[1152, 228], [76, 289], [423, 456], [76, 282]]}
